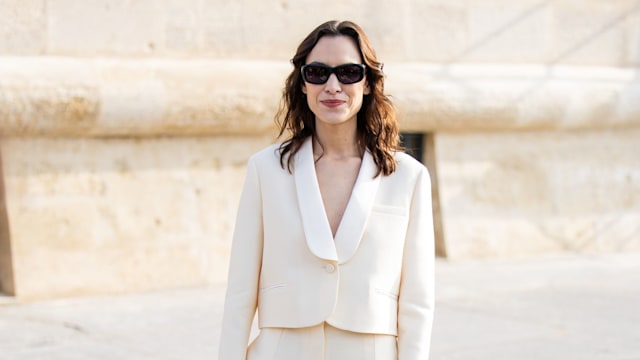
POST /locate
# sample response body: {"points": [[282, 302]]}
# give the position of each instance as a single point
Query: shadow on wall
{"points": [[6, 264], [563, 54], [594, 33]]}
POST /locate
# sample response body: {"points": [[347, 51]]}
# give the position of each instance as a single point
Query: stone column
{"points": [[6, 262]]}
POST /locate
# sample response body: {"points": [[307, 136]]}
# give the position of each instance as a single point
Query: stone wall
{"points": [[126, 126], [572, 32], [90, 215], [525, 193]]}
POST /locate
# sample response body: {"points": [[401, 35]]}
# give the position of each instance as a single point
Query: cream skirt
{"points": [[321, 342]]}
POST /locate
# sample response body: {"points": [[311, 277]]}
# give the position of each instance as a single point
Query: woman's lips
{"points": [[332, 103]]}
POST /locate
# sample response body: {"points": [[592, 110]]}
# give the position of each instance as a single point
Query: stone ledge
{"points": [[510, 97], [137, 97]]}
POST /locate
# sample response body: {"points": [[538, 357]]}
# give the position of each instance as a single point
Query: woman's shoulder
{"points": [[267, 156], [409, 170], [407, 163]]}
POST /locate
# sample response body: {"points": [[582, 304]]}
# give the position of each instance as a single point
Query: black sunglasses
{"points": [[319, 73]]}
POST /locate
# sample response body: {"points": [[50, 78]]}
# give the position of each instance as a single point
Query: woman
{"points": [[334, 239]]}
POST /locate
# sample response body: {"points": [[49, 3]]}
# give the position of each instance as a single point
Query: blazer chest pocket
{"points": [[387, 226], [391, 210]]}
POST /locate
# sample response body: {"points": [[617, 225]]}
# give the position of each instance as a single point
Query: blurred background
{"points": [[126, 124]]}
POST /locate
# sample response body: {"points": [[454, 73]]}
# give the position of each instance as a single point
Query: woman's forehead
{"points": [[335, 50]]}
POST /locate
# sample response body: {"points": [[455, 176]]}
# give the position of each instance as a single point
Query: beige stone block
{"points": [[388, 25], [105, 27], [34, 95], [225, 32], [515, 194], [437, 32], [116, 97], [272, 29], [508, 31], [119, 215], [131, 268], [633, 39], [22, 27], [124, 97], [481, 237], [591, 32], [575, 32], [183, 26], [236, 97], [499, 97]]}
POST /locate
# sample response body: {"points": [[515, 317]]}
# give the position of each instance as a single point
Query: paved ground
{"points": [[564, 307]]}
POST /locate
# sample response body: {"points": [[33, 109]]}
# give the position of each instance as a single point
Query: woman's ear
{"points": [[304, 89], [367, 88]]}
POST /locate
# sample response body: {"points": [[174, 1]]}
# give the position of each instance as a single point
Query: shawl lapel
{"points": [[354, 220], [316, 226]]}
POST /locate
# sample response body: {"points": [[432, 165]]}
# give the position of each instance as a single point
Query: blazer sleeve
{"points": [[416, 297], [244, 270]]}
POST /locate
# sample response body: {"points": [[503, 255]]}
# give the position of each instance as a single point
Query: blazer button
{"points": [[329, 268]]}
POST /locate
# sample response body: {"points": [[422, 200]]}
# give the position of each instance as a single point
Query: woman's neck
{"points": [[337, 142]]}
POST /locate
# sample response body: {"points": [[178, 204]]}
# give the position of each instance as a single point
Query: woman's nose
{"points": [[333, 85]]}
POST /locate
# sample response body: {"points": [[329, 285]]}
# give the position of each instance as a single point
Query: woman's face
{"points": [[333, 102]]}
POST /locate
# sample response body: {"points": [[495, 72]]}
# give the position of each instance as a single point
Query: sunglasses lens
{"points": [[316, 74], [349, 74]]}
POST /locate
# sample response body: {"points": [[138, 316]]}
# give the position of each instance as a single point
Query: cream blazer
{"points": [[376, 276]]}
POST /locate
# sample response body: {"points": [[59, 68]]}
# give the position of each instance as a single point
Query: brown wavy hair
{"points": [[377, 129]]}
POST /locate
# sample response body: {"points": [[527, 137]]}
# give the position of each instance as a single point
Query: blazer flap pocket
{"points": [[272, 287], [388, 294]]}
